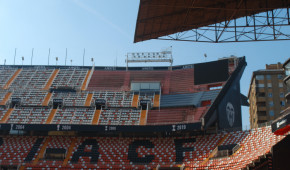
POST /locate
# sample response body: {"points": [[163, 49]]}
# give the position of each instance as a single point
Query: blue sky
{"points": [[105, 28]]}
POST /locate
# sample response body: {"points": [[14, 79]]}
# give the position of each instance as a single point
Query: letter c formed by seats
{"points": [[133, 155]]}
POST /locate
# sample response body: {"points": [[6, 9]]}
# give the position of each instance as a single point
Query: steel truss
{"points": [[266, 26]]}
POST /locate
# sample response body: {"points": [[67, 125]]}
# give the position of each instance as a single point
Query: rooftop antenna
{"points": [[65, 56], [117, 58], [32, 55], [15, 55], [84, 56], [48, 56]]}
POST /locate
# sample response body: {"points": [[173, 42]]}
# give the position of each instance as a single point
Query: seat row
{"points": [[120, 117], [112, 116]]}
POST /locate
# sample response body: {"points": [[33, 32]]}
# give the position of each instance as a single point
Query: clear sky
{"points": [[105, 28]]}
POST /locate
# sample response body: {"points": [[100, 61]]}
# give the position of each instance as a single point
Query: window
{"points": [[271, 103], [260, 85], [268, 77], [282, 103], [269, 85], [280, 76], [271, 113], [270, 94], [259, 77], [280, 84], [282, 94], [287, 71]]}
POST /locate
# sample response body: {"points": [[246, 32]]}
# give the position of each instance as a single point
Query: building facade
{"points": [[267, 94]]}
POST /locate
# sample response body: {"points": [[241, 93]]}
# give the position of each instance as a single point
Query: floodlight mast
{"points": [[144, 57]]}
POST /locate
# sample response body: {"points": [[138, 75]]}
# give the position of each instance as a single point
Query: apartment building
{"points": [[267, 94]]}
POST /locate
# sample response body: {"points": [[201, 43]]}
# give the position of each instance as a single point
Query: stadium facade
{"points": [[186, 116]]}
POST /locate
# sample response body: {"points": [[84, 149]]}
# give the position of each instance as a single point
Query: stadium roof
{"points": [[157, 18]]}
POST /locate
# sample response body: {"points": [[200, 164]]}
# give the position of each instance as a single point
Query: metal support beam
{"points": [[266, 26]]}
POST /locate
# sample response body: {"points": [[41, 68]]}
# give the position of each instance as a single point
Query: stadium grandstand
{"points": [[179, 117]]}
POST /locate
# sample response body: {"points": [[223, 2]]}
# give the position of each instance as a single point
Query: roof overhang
{"points": [[157, 18]]}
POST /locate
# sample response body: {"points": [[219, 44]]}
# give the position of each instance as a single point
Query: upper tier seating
{"points": [[148, 76], [171, 115], [29, 115], [6, 74], [73, 116], [2, 94], [69, 78], [108, 80], [31, 79], [2, 112], [182, 81], [29, 97], [114, 99], [119, 117], [176, 81], [147, 96], [125, 153], [71, 98]]}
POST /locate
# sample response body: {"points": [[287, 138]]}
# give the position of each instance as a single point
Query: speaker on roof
{"points": [[57, 103], [144, 103], [99, 103], [15, 102]]}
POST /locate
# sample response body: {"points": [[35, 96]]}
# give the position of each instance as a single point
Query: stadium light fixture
{"points": [[22, 59], [15, 55], [32, 55], [4, 61], [56, 59], [92, 60], [48, 56], [65, 56], [84, 56]]}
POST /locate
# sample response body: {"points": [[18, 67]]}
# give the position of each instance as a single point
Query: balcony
{"points": [[262, 117], [262, 113], [261, 99], [260, 89], [261, 108]]}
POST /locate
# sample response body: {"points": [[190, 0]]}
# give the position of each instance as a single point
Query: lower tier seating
{"points": [[136, 152]]}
